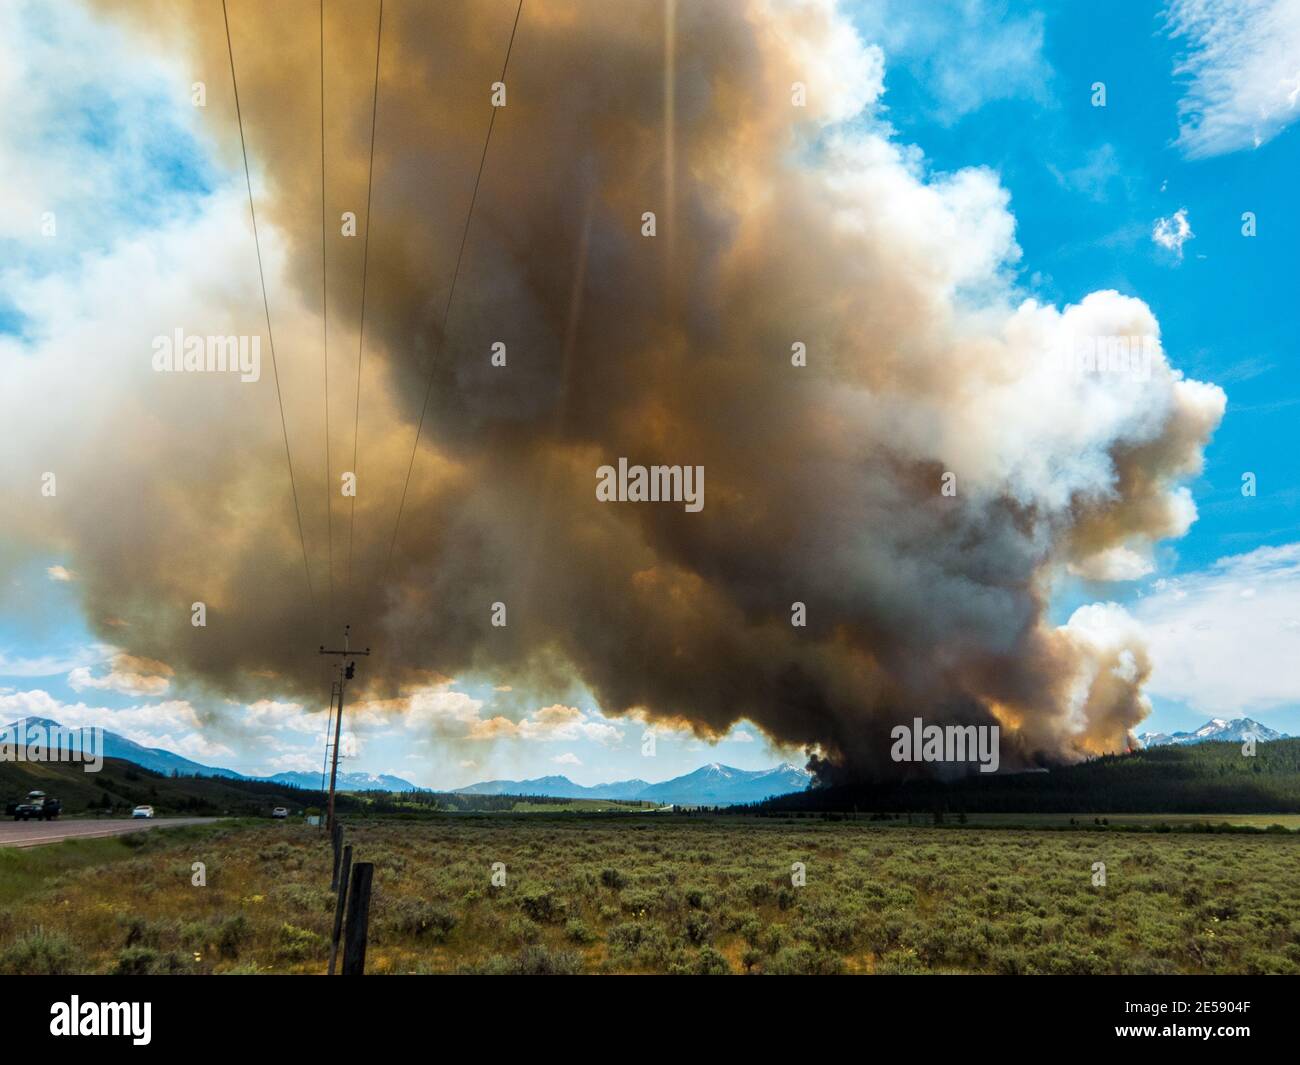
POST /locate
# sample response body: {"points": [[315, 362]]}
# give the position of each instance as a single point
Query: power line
{"points": [[446, 314], [324, 315], [266, 306], [336, 689], [365, 263]]}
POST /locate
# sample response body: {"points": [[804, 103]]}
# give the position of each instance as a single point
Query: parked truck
{"points": [[37, 805]]}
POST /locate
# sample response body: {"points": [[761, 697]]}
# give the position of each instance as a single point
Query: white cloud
{"points": [[964, 54], [568, 758], [277, 716], [128, 675], [54, 665], [557, 722], [1173, 232], [460, 716], [294, 762], [1226, 641], [441, 708], [1242, 65], [173, 724], [195, 745], [80, 63], [60, 573]]}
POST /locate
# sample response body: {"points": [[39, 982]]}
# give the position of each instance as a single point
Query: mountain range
{"points": [[164, 761], [1217, 729], [710, 785]]}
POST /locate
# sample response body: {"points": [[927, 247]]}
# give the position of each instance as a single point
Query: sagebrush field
{"points": [[673, 895]]}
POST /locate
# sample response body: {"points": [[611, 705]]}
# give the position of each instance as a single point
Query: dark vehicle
{"points": [[37, 805]]}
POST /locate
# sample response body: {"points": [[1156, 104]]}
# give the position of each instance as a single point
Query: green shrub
{"points": [[541, 905], [39, 953], [298, 944], [626, 937], [699, 929], [419, 919], [534, 961], [523, 931], [804, 960], [577, 932], [710, 963], [231, 934]]}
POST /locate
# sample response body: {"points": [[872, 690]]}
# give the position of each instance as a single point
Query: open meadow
{"points": [[629, 894]]}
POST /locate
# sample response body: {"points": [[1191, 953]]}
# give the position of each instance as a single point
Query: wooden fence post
{"points": [[339, 905], [358, 922]]}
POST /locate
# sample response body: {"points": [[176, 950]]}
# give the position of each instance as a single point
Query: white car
{"points": [[279, 811], [142, 811]]}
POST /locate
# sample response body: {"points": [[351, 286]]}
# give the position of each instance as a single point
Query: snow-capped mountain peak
{"points": [[1217, 729]]}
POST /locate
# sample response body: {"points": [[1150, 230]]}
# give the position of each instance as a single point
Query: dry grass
{"points": [[677, 895]]}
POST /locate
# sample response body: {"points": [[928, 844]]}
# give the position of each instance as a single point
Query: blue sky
{"points": [[1008, 87]]}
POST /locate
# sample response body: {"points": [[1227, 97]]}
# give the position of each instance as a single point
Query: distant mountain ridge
{"points": [[555, 787], [710, 785], [346, 781], [1217, 729], [164, 761], [116, 746]]}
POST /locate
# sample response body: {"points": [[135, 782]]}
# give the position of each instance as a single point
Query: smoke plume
{"points": [[920, 485]]}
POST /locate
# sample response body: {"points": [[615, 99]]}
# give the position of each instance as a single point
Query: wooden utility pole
{"points": [[329, 727], [345, 674]]}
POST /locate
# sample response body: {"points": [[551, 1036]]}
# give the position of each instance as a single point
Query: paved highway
{"points": [[35, 833]]}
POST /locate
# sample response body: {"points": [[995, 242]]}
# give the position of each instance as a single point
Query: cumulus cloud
{"points": [[777, 224], [59, 573], [552, 723], [173, 724], [129, 675], [453, 715], [280, 716], [1226, 641], [1241, 68], [294, 762]]}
